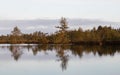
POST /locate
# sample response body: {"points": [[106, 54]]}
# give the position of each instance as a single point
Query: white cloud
{"points": [[36, 27], [48, 26], [5, 28], [32, 9], [30, 27]]}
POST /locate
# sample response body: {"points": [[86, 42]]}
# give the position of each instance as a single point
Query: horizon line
{"points": [[92, 19]]}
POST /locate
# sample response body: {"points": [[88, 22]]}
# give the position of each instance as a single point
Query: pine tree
{"points": [[61, 35], [16, 31]]}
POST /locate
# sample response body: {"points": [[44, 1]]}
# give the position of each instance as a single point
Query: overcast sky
{"points": [[43, 15], [108, 10]]}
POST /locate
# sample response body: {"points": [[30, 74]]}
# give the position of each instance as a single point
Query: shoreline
{"points": [[71, 43]]}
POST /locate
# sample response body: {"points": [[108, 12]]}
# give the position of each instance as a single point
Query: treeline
{"points": [[101, 35]]}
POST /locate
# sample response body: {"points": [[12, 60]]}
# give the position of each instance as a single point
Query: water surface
{"points": [[33, 59]]}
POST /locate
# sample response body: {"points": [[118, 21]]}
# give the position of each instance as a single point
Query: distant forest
{"points": [[99, 36]]}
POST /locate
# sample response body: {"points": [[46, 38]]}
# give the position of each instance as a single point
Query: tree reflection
{"points": [[39, 48], [16, 51], [63, 52], [62, 55]]}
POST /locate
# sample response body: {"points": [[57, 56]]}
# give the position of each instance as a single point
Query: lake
{"points": [[34, 59]]}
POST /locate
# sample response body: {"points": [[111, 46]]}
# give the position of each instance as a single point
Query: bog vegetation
{"points": [[101, 35]]}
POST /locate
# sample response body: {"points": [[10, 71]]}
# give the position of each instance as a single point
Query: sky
{"points": [[44, 15], [107, 10]]}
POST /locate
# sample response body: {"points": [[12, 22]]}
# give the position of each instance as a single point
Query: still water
{"points": [[33, 59]]}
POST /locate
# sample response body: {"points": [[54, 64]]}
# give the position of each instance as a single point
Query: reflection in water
{"points": [[62, 52], [16, 51]]}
